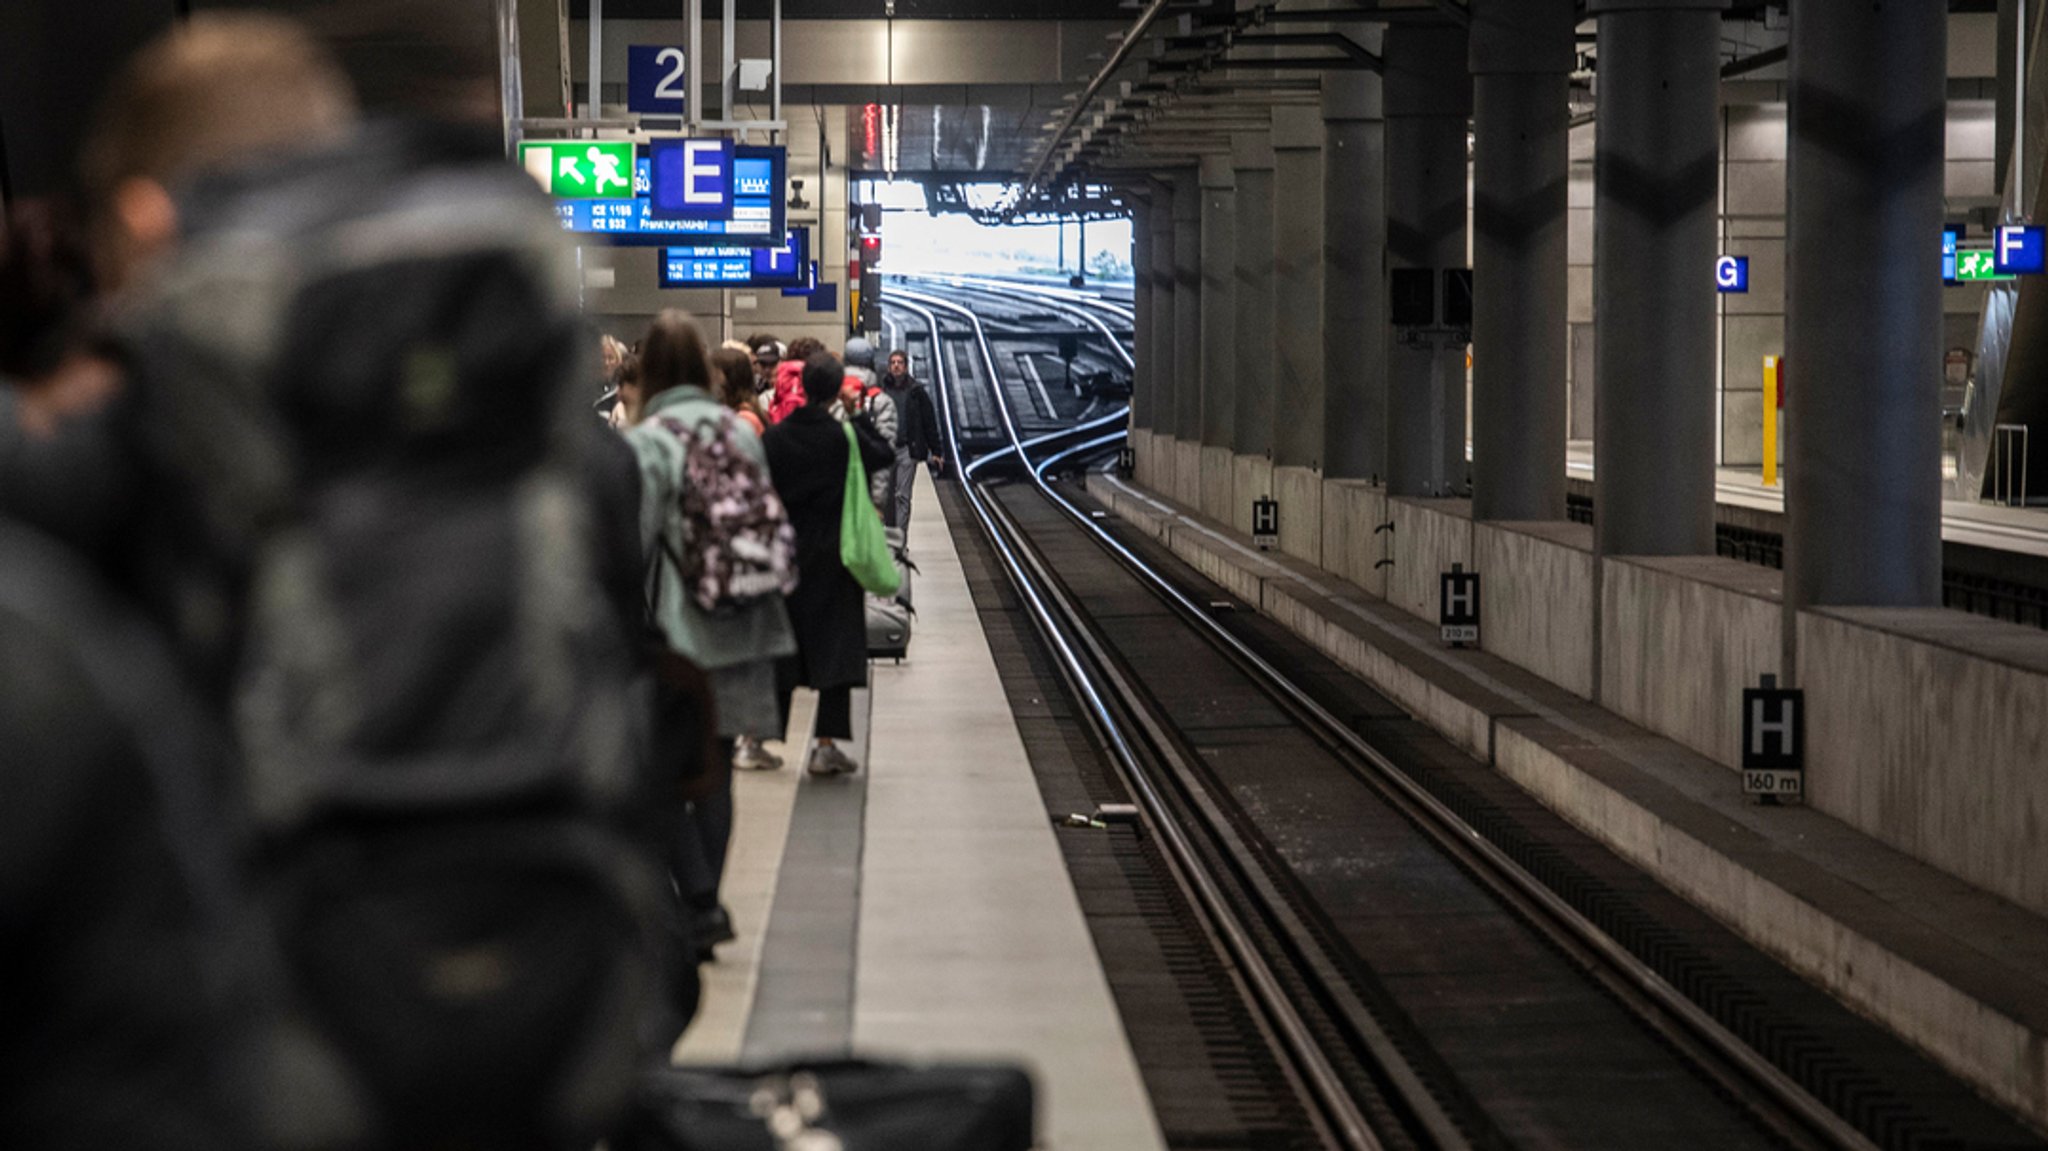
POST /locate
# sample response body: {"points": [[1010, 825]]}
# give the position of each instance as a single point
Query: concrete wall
{"points": [[1928, 729], [1144, 463], [1429, 536], [1251, 477], [1352, 510], [1680, 637], [1217, 483], [1536, 598], [1187, 473], [1300, 492]]}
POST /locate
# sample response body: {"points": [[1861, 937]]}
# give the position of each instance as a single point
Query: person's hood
{"points": [[674, 399]]}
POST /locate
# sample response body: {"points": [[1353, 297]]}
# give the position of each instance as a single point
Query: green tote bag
{"points": [[862, 546]]}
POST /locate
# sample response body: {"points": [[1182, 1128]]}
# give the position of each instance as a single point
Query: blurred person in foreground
{"points": [[115, 863], [808, 455], [380, 537], [142, 1003], [720, 556]]}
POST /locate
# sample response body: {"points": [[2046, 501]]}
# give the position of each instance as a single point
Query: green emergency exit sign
{"points": [[1972, 266], [581, 169]]}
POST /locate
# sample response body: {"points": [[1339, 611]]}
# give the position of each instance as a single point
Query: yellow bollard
{"points": [[1771, 421]]}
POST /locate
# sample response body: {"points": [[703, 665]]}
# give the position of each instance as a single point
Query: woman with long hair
{"points": [[732, 372], [737, 649]]}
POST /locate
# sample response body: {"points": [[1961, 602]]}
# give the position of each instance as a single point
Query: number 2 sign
{"points": [[655, 79]]}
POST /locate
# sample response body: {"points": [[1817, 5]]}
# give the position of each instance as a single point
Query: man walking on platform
{"points": [[917, 435]]}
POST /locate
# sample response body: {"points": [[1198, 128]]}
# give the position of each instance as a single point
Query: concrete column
{"points": [[1297, 341], [1164, 366], [1187, 308], [1656, 177], [1428, 96], [1522, 57], [1863, 323], [1141, 315], [1252, 430], [1354, 261], [1219, 314]]}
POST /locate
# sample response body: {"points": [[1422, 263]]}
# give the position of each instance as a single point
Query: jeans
{"points": [[899, 506]]}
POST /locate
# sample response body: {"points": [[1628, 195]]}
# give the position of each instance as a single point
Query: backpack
{"points": [[441, 728], [738, 544]]}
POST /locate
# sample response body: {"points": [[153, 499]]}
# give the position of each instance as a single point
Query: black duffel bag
{"points": [[850, 1105]]}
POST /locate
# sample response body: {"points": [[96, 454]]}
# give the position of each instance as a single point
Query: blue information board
{"points": [[1731, 274], [729, 267], [691, 179], [758, 215], [1951, 236], [655, 80], [2020, 251]]}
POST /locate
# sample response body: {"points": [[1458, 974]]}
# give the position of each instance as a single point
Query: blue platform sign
{"points": [[1951, 238], [2020, 251], [1731, 274], [691, 179], [655, 80]]}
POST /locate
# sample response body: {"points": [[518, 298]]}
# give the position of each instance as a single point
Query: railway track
{"points": [[1422, 984]]}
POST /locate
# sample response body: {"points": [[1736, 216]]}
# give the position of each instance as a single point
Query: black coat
{"points": [[807, 459], [917, 424]]}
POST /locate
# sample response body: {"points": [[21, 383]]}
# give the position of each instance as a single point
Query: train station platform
{"points": [[1994, 527], [1954, 969], [920, 908]]}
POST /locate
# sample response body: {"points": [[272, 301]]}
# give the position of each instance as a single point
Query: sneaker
{"points": [[751, 756], [827, 759]]}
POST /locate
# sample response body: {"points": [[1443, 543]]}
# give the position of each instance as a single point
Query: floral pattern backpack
{"points": [[738, 545]]}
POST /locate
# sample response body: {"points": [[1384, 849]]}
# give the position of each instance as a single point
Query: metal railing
{"points": [[2003, 438]]}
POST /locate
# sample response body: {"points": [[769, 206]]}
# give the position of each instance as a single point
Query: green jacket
{"points": [[711, 642]]}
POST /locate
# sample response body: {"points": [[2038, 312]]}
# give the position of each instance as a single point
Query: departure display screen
{"points": [[729, 267], [758, 217]]}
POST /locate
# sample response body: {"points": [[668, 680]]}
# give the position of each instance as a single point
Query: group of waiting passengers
{"points": [[785, 410], [347, 798]]}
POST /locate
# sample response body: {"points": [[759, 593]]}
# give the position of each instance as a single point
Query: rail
{"points": [[1090, 670]]}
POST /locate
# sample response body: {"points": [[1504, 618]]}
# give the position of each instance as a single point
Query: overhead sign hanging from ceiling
{"points": [[655, 80], [726, 267], [754, 181], [691, 179], [580, 169]]}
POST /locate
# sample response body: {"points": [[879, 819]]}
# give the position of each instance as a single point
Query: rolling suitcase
{"points": [[889, 617], [851, 1105]]}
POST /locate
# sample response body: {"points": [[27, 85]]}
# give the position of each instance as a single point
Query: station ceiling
{"points": [[868, 9]]}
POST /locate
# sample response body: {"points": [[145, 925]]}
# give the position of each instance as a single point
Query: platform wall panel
{"points": [[1681, 637], [1352, 547], [1429, 536], [1300, 492], [1536, 599], [1187, 473], [1217, 472], [1928, 729], [1251, 477]]}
